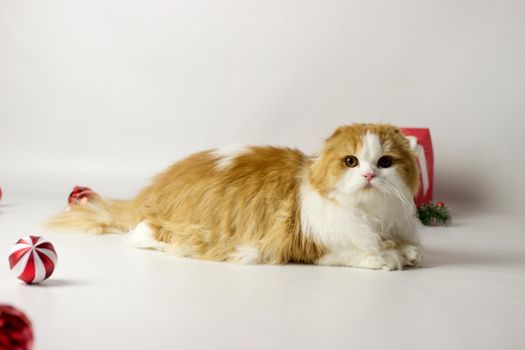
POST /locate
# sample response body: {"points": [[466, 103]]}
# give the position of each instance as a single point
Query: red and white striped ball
{"points": [[33, 259]]}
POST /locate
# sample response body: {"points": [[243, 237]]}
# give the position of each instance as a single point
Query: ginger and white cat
{"points": [[351, 205]]}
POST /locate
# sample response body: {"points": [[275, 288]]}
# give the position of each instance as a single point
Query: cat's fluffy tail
{"points": [[99, 215]]}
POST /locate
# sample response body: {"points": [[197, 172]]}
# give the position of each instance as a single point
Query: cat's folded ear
{"points": [[350, 131], [411, 141], [338, 132]]}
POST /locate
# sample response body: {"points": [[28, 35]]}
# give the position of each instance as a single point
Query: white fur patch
{"points": [[226, 155], [245, 254], [336, 225], [371, 148], [413, 142], [142, 237]]}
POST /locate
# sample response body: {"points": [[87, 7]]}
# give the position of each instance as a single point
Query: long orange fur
{"points": [[207, 212]]}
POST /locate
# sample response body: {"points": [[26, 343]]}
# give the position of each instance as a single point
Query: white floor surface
{"points": [[470, 294]]}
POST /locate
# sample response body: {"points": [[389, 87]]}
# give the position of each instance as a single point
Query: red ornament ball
{"points": [[32, 259], [80, 195], [15, 329], [440, 204]]}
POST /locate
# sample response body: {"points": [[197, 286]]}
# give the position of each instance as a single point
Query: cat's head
{"points": [[363, 159]]}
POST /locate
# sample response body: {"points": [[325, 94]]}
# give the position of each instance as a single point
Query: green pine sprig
{"points": [[432, 214]]}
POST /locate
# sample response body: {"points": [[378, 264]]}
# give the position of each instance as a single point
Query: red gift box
{"points": [[421, 143]]}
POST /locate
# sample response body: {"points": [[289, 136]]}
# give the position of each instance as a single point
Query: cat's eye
{"points": [[351, 161], [385, 162]]}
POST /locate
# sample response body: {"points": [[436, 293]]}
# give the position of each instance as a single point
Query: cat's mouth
{"points": [[368, 186]]}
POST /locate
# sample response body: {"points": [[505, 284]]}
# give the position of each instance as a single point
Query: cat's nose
{"points": [[369, 176]]}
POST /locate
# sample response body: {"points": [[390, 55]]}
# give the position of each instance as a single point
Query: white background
{"points": [[107, 93]]}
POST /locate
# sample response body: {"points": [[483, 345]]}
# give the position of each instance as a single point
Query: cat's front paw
{"points": [[387, 259], [411, 254]]}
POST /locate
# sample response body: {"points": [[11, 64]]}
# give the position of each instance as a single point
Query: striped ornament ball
{"points": [[33, 259]]}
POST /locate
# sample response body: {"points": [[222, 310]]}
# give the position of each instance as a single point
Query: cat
{"points": [[351, 205]]}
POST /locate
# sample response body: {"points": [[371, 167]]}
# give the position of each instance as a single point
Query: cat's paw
{"points": [[387, 259], [411, 255]]}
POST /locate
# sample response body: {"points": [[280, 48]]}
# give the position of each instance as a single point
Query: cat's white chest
{"points": [[338, 225]]}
